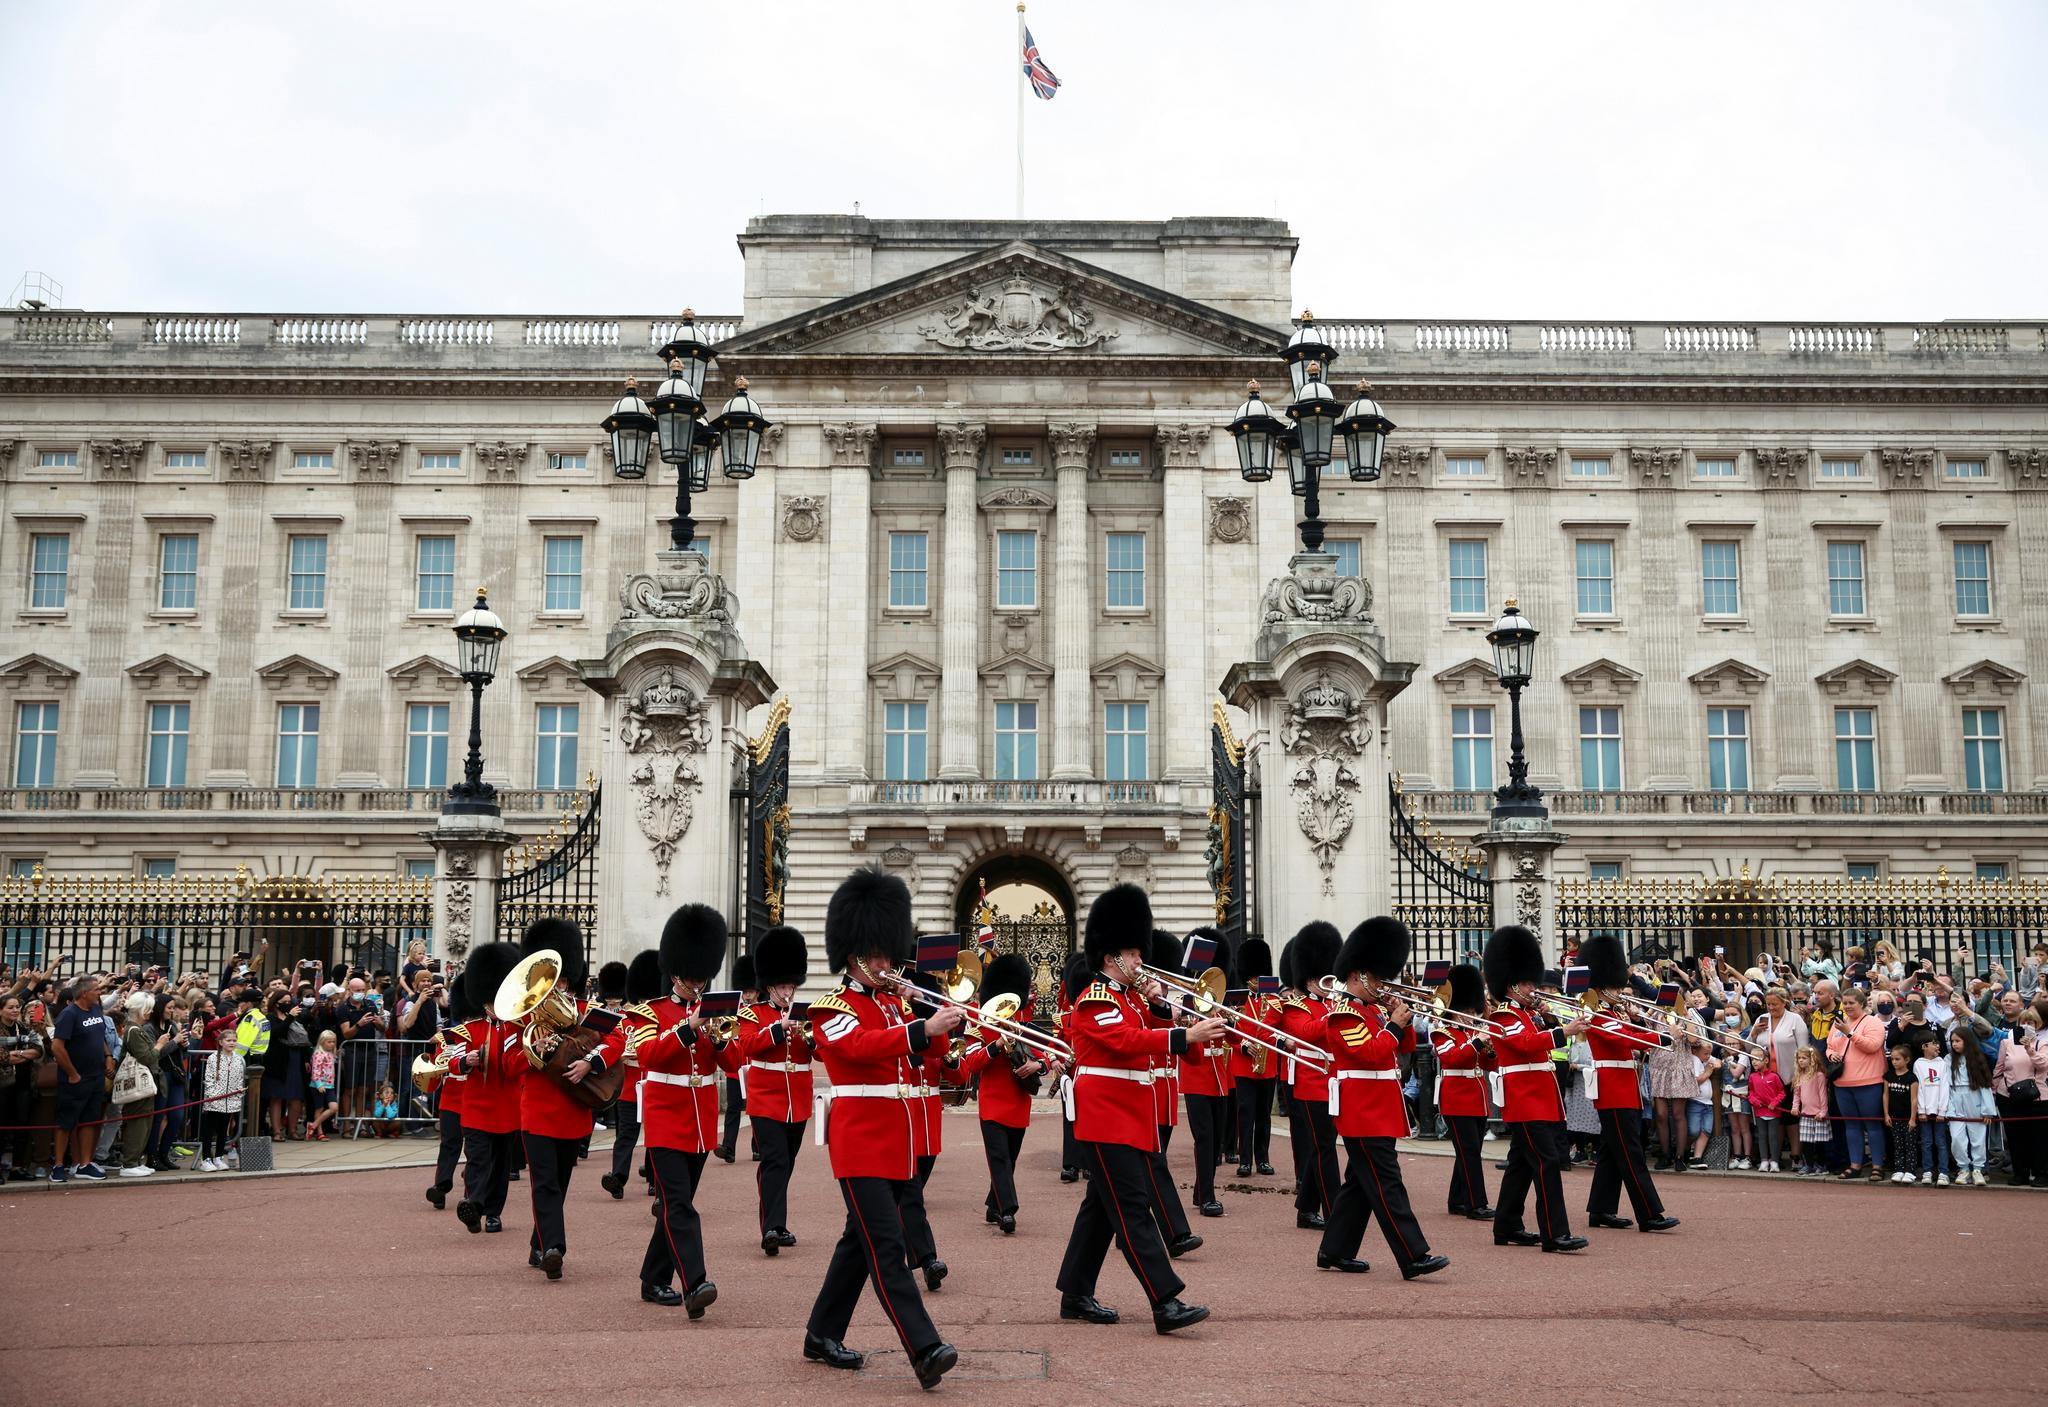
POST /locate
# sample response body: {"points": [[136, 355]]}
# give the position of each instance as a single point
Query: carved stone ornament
{"points": [[961, 444], [897, 856], [1530, 468], [245, 460], [666, 730], [803, 517], [1312, 590], [1182, 446], [1018, 317], [502, 461], [1529, 893], [1230, 518], [2028, 467], [685, 589], [852, 445], [1322, 735], [460, 917], [7, 458], [1071, 444], [1781, 468], [1908, 468], [462, 864], [1406, 466], [120, 460], [1017, 496], [1654, 467], [376, 461]]}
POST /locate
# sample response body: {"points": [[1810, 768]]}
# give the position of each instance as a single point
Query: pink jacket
{"points": [[1864, 1064], [1766, 1094], [2016, 1062], [1810, 1100]]}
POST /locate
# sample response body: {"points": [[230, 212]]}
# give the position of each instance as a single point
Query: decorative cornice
{"points": [[120, 461], [503, 461], [1655, 468], [852, 445], [1530, 468], [961, 444], [245, 460], [156, 669], [1072, 442]]}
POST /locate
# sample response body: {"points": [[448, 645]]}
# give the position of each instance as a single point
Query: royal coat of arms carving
{"points": [[1018, 318]]}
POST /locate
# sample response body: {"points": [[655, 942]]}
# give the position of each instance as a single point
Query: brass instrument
{"points": [[430, 1067], [1201, 998], [1435, 1004], [533, 992], [989, 1015]]}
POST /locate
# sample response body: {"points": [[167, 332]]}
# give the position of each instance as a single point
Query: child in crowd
{"points": [[384, 1113], [226, 1077], [1767, 1106], [1699, 1112], [1900, 1120], [1735, 1078], [1810, 1103], [1930, 1105], [320, 1085], [1969, 1105]]}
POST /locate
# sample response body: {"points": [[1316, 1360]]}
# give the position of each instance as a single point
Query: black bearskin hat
{"points": [[489, 966], [462, 1003], [1512, 955], [1315, 951], [1605, 960], [1379, 946], [643, 976], [1075, 980], [779, 956], [1468, 993], [1254, 959], [1223, 958], [566, 938], [611, 981], [743, 973], [1165, 951], [693, 944], [1120, 917], [869, 916], [1008, 973], [1286, 966]]}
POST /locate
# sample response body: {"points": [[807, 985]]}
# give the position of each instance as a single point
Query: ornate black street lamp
{"points": [[478, 634], [1514, 659]]}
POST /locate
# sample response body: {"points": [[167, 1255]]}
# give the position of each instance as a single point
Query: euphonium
{"points": [[534, 989]]}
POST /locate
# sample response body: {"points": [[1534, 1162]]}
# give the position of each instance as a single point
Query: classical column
{"points": [[1914, 576], [2025, 596], [959, 685], [1182, 604], [1660, 546], [365, 723], [851, 590], [240, 723], [101, 684], [1784, 629], [1071, 596], [1521, 568]]}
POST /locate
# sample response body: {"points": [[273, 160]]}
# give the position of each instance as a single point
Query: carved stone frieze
{"points": [[1182, 446], [120, 461], [1020, 316], [245, 460], [852, 445], [803, 517], [1323, 735], [1406, 466], [1908, 468], [1230, 518], [1530, 468], [1655, 468], [1781, 468], [666, 731], [376, 461], [2028, 467], [503, 461]]}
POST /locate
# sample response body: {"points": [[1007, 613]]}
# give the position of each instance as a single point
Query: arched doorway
{"points": [[1032, 912]]}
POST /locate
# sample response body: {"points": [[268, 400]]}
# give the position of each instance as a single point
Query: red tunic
{"points": [[1305, 1018], [490, 1103], [1259, 1007], [454, 1080], [1365, 1084], [1205, 1069], [874, 1058], [1522, 1045], [1117, 1043], [679, 1081], [1461, 1092], [1613, 1080], [927, 1110], [778, 1065], [1166, 1087], [546, 1109], [1003, 1099]]}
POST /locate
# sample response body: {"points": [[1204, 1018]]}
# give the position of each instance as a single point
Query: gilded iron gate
{"points": [[1229, 878], [1441, 890], [554, 876], [764, 853], [1044, 939]]}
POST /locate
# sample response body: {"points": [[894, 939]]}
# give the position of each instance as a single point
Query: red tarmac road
{"points": [[349, 1288]]}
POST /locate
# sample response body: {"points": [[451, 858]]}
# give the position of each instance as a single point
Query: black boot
{"points": [[830, 1352], [934, 1363], [1169, 1315], [1086, 1308]]}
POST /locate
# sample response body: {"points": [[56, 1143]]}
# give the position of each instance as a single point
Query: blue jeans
{"points": [[1699, 1117], [1863, 1123], [168, 1125], [1934, 1146]]}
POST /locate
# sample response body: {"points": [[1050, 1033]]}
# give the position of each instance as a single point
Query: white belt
{"points": [[1143, 1077], [1469, 1072], [1337, 1078], [1593, 1074], [1544, 1068], [787, 1067], [662, 1077], [826, 1096], [1213, 1052]]}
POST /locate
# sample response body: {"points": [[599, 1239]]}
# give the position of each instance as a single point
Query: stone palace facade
{"points": [[998, 558]]}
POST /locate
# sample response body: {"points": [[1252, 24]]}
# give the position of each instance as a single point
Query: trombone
{"points": [[1435, 1005], [1202, 998], [989, 1014]]}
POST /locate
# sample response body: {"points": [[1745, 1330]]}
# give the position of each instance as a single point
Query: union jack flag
{"points": [[1043, 82]]}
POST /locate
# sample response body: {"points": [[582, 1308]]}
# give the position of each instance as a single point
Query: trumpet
{"points": [[1201, 998], [989, 1014]]}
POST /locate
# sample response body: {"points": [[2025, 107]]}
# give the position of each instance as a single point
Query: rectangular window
{"points": [[1984, 749], [1994, 945], [700, 543], [1855, 749], [307, 560], [1346, 551], [1471, 749], [57, 459], [1865, 871], [1125, 554], [568, 461], [1967, 469], [1017, 569], [554, 750], [1841, 468], [22, 947], [1973, 578], [907, 458], [1127, 459], [1604, 870], [177, 575], [434, 587], [1468, 576], [909, 563], [1713, 468], [170, 729], [1600, 749], [1017, 456], [1592, 468], [298, 745], [1721, 578], [562, 574], [1016, 742], [426, 745], [441, 461], [903, 742], [185, 459], [1123, 742], [313, 459], [35, 745], [1464, 466], [49, 571], [1596, 578], [1845, 579], [1728, 749]]}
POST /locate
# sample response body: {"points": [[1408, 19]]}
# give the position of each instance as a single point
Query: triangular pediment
{"points": [[296, 671], [552, 672], [1729, 676], [37, 670], [1467, 676], [1016, 300], [425, 672], [1128, 670], [1857, 676], [1017, 666], [1601, 676], [908, 674], [1985, 676], [158, 669]]}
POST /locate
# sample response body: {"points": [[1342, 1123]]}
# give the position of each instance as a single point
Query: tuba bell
{"points": [[534, 989]]}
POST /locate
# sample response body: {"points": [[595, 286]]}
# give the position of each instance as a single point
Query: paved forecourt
{"points": [[350, 1284]]}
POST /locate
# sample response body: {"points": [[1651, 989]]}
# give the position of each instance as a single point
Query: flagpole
{"points": [[1017, 62]]}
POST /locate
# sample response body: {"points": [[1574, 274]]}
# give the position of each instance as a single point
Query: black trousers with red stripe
{"points": [[1315, 1157], [1622, 1164], [779, 1142], [451, 1149], [1373, 1187], [1255, 1120], [1002, 1144], [678, 1239], [1536, 1156], [549, 1163], [1208, 1117], [1468, 1175], [1117, 1206], [487, 1168], [918, 1242], [870, 1252], [1167, 1208]]}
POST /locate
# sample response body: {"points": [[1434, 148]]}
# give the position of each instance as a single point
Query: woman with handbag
{"points": [[1855, 1067], [2016, 1085], [133, 1096]]}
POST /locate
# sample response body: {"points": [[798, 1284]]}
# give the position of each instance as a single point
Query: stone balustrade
{"points": [[1745, 803]]}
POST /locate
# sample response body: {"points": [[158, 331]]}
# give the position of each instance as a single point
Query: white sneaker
{"points": [[211, 1165], [1979, 1178], [137, 1170], [1927, 1179], [1941, 1181]]}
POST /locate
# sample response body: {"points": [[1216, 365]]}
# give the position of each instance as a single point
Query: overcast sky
{"points": [[1645, 160]]}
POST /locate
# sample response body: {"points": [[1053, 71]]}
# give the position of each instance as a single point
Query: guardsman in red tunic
{"points": [[1076, 979], [1616, 1043], [1303, 1016], [462, 1009], [1367, 1105], [496, 1067], [1167, 1208], [1011, 1073], [937, 1067], [778, 1076], [1254, 1071], [1530, 1104], [1117, 1040], [874, 1056], [1461, 1065], [644, 984], [1205, 1080]]}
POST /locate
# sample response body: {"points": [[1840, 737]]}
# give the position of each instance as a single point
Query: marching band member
{"points": [[462, 1010], [1615, 1043], [1116, 1039], [553, 1126], [1167, 1207], [643, 985], [1302, 1017], [1206, 1080], [1253, 1070], [496, 1067], [735, 1084], [1078, 977], [680, 1060], [1365, 1097], [926, 1129], [778, 1076], [1010, 1073], [1530, 1104], [872, 1054], [1461, 1065]]}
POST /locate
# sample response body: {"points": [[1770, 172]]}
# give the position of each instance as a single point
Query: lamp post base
{"points": [[464, 799]]}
